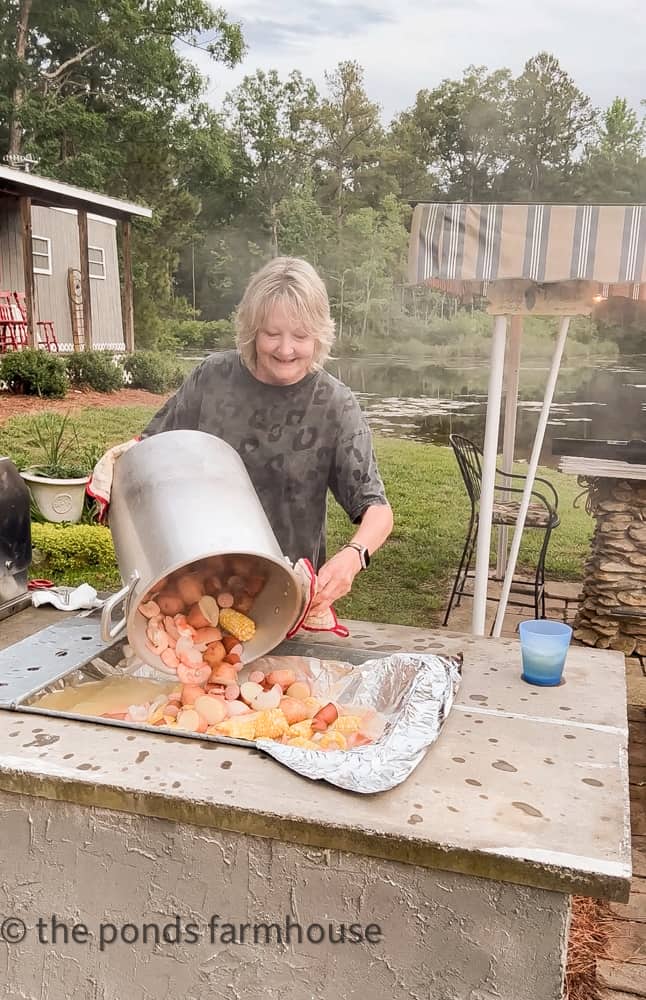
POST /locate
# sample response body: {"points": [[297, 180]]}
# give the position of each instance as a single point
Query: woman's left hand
{"points": [[335, 579]]}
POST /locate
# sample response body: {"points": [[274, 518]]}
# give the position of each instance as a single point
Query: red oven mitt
{"points": [[325, 621]]}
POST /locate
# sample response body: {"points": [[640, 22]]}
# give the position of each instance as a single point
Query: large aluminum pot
{"points": [[179, 500]]}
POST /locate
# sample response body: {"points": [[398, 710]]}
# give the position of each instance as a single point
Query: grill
{"points": [[15, 540]]}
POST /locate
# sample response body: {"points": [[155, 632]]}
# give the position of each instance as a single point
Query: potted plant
{"points": [[58, 478]]}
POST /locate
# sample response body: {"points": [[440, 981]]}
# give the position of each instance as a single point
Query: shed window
{"points": [[96, 259], [41, 252]]}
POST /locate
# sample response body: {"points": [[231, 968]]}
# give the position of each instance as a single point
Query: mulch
{"points": [[588, 941], [13, 405]]}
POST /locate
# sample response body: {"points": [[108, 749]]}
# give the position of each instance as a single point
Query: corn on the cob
{"points": [[332, 741], [271, 724], [238, 728], [303, 729], [237, 624], [303, 742], [347, 724], [312, 705]]}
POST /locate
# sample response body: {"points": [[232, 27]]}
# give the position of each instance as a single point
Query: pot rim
{"points": [[32, 477], [139, 592]]}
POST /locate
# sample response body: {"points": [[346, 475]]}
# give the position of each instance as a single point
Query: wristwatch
{"points": [[364, 555]]}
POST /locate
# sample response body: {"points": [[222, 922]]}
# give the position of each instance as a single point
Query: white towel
{"points": [[100, 484], [67, 598]]}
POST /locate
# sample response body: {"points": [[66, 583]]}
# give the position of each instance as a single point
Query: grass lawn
{"points": [[408, 579]]}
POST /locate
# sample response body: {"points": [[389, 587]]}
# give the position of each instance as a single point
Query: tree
{"points": [[274, 122], [364, 267], [102, 96], [103, 54], [614, 168], [458, 132], [304, 229], [621, 134], [550, 121], [350, 136]]}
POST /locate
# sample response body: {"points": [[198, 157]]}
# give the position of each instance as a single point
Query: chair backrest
{"points": [[21, 302], [469, 459], [10, 313]]}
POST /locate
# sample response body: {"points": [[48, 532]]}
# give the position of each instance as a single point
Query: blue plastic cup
{"points": [[544, 647]]}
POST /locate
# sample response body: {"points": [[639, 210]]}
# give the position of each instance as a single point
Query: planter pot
{"points": [[57, 499]]}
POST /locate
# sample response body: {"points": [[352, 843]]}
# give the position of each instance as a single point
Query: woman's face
{"points": [[284, 350]]}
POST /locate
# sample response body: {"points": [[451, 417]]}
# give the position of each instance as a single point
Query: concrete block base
{"points": [[425, 935]]}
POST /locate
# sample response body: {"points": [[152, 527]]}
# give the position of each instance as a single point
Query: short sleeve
{"points": [[182, 411], [354, 478]]}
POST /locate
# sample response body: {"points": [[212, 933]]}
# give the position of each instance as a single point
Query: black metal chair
{"points": [[542, 515]]}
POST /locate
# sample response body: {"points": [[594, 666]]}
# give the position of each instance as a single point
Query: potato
{"points": [[224, 673], [211, 708], [192, 721], [250, 691], [293, 710], [214, 653], [170, 603], [190, 692], [300, 690]]}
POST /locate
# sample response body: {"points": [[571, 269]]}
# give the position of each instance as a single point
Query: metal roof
{"points": [[48, 192]]}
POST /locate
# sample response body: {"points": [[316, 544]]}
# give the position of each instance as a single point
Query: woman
{"points": [[298, 430]]}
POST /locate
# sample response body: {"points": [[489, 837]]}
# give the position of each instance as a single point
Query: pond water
{"points": [[414, 398]]}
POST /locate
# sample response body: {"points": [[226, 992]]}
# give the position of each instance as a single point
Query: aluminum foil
{"points": [[415, 691]]}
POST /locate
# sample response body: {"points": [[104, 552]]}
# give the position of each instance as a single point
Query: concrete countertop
{"points": [[525, 784]]}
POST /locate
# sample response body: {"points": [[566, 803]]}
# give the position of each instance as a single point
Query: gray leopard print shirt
{"points": [[296, 441]]}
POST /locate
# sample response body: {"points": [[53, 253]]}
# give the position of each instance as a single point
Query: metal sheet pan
{"points": [[413, 691]]}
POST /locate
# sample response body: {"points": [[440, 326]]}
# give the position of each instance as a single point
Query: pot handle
{"points": [[109, 632]]}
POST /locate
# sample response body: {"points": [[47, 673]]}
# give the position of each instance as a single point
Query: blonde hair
{"points": [[295, 283]]}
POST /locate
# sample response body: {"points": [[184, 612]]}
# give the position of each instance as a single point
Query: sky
{"points": [[409, 45]]}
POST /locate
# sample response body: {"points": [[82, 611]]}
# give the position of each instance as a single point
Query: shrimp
{"points": [[191, 657], [171, 628], [170, 659], [156, 640], [138, 713], [149, 609], [182, 626], [205, 636], [194, 674]]}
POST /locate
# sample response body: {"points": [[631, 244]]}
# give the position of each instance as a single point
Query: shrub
{"points": [[73, 547], [95, 369], [34, 373], [203, 335], [154, 371]]}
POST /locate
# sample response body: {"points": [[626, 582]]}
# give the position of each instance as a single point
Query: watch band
{"points": [[364, 555]]}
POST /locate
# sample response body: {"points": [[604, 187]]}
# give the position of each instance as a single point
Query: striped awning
{"points": [[463, 248]]}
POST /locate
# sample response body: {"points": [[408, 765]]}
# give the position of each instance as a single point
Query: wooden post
{"points": [[85, 279], [512, 379], [28, 268], [127, 297]]}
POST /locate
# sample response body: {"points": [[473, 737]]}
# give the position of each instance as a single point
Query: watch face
{"points": [[365, 556]]}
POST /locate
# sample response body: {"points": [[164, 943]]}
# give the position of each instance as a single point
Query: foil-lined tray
{"points": [[414, 693]]}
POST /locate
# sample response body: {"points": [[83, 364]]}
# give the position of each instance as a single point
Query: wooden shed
{"points": [[58, 246]]}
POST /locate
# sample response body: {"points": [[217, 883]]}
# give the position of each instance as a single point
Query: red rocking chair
{"points": [[44, 327], [13, 327]]}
